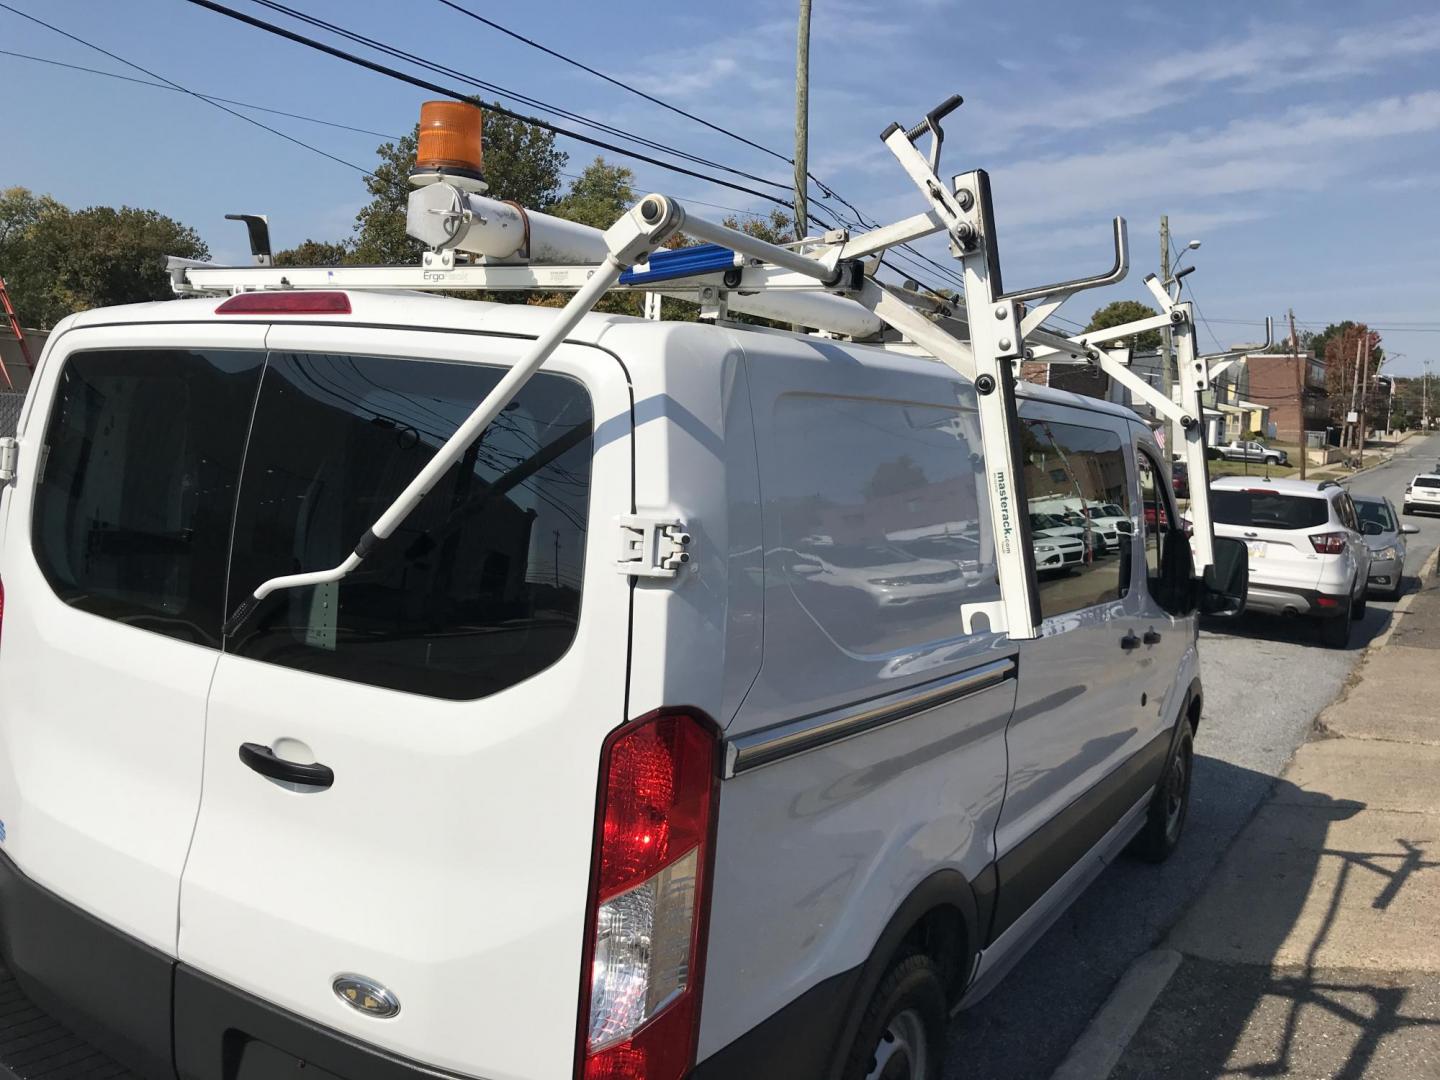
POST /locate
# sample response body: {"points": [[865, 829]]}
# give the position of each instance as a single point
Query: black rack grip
{"points": [[935, 115]]}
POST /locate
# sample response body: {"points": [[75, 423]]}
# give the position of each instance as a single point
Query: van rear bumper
{"points": [[101, 1000]]}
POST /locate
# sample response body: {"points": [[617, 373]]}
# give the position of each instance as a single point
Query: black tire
{"points": [[1359, 607], [1397, 589], [1335, 631], [1407, 509], [1170, 806], [902, 1034]]}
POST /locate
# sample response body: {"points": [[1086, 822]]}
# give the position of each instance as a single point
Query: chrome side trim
{"points": [[757, 748]]}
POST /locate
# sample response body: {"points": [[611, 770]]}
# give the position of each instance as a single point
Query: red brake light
{"points": [[286, 302], [1331, 543], [640, 1006]]}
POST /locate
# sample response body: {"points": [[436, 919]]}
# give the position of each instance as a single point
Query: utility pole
{"points": [[1299, 392], [1361, 423], [1425, 397], [1355, 390], [802, 120], [1167, 379]]}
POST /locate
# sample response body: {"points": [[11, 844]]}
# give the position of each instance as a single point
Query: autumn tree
{"points": [[1346, 344]]}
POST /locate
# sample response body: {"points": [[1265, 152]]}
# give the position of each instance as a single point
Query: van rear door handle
{"points": [[1129, 641], [263, 760], [1152, 637]]}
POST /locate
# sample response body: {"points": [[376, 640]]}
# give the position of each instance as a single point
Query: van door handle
{"points": [[263, 760], [1129, 641], [1152, 637]]}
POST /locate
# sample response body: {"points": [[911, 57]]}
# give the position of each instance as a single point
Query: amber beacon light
{"points": [[449, 147]]}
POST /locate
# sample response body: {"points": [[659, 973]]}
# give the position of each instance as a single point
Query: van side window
{"points": [[136, 485], [478, 590], [1076, 482], [1156, 502], [878, 509]]}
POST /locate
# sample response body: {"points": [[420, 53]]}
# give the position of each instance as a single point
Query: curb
{"points": [[1427, 570], [1108, 1034]]}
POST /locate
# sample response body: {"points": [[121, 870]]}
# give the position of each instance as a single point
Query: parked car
{"points": [[1180, 479], [1054, 553], [1423, 493], [502, 804], [1250, 451], [1053, 525], [1307, 554], [1385, 537]]}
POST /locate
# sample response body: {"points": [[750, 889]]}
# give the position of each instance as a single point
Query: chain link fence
{"points": [[10, 403]]}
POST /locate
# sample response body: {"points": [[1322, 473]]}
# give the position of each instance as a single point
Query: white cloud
{"points": [[1298, 149], [1266, 58]]}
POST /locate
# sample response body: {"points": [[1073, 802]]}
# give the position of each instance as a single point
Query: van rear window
{"points": [[480, 587], [1268, 509], [174, 482], [136, 485]]}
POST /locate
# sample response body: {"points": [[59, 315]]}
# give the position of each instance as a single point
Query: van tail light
{"points": [[1331, 543], [644, 952]]}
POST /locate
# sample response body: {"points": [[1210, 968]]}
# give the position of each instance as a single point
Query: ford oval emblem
{"points": [[366, 996]]}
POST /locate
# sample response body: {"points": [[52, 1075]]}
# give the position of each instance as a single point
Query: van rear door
{"points": [[457, 688], [113, 561]]}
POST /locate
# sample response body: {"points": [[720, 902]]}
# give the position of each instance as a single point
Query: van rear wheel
{"points": [[902, 1034]]}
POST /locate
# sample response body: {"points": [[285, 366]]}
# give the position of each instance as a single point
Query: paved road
{"points": [[1265, 682]]}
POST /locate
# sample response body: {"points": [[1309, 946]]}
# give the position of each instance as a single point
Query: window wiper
{"points": [[630, 240]]}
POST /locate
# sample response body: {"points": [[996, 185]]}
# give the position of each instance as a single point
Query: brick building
{"points": [[1272, 382]]}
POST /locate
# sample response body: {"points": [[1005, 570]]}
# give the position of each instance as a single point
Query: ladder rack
{"points": [[827, 282]]}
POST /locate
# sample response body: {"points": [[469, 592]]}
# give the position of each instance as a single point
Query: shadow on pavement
{"points": [[1252, 997]]}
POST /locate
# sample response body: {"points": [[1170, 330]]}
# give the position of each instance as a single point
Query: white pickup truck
{"points": [[1250, 451]]}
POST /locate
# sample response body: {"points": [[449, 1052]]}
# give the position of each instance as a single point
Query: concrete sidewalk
{"points": [[1315, 950]]}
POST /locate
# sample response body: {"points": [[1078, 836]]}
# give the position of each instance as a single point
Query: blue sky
{"points": [[1297, 140]]}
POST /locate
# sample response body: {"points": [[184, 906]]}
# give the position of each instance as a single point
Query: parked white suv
{"points": [[668, 684], [1307, 553], [1423, 493]]}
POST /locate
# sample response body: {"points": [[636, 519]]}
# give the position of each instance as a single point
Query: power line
{"points": [[617, 82], [295, 116], [196, 93], [443, 91], [436, 88], [493, 88], [172, 83], [402, 54]]}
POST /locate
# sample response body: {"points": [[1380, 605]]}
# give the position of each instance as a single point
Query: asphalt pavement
{"points": [[1266, 680]]}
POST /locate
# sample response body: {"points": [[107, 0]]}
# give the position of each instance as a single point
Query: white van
{"points": [[658, 709]]}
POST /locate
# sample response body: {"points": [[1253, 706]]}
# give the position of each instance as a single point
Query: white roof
{"points": [[1283, 487], [428, 311]]}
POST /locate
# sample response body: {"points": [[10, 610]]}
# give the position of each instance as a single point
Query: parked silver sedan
{"points": [[1385, 537]]}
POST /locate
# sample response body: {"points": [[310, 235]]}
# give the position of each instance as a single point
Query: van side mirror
{"points": [[1222, 593], [1371, 528], [1126, 527]]}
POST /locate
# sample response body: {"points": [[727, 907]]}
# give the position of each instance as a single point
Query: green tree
{"points": [[1125, 311], [70, 260], [599, 195], [521, 165], [20, 209], [777, 228], [314, 253]]}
